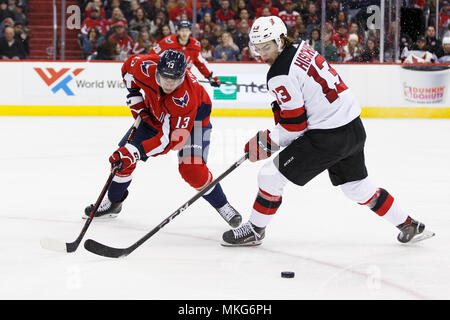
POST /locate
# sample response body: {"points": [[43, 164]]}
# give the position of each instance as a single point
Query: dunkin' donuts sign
{"points": [[423, 94], [425, 84]]}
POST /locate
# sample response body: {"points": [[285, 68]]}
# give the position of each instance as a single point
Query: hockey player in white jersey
{"points": [[318, 127]]}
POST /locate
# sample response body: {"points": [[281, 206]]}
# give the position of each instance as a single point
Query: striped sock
{"points": [[265, 206], [384, 205]]}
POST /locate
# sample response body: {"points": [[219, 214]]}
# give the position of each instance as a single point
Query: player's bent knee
{"points": [[195, 172], [270, 179], [359, 191]]}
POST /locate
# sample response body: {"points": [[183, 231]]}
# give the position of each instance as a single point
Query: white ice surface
{"points": [[52, 167]]}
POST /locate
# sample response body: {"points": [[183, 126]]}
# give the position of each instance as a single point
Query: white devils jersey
{"points": [[310, 93]]}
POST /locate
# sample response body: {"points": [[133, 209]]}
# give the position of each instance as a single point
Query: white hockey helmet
{"points": [[267, 28]]}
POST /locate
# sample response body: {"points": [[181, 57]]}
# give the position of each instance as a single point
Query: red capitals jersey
{"points": [[192, 51], [172, 115]]}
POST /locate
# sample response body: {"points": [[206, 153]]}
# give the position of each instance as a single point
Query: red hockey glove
{"points": [[261, 147], [124, 157], [214, 81], [276, 111]]}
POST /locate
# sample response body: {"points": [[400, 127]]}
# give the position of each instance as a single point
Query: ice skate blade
{"points": [[105, 217], [247, 244], [422, 236]]}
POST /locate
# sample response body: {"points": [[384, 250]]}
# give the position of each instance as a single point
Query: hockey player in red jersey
{"points": [[175, 115], [182, 41], [318, 126]]}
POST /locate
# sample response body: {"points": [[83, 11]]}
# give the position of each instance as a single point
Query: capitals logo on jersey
{"points": [[145, 65], [182, 101]]}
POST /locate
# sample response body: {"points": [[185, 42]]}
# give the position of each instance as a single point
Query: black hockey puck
{"points": [[287, 274]]}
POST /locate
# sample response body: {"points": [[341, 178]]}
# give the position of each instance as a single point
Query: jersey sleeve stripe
{"points": [[294, 127], [293, 120], [292, 113]]}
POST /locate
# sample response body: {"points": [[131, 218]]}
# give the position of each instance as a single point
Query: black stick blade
{"points": [[103, 250]]}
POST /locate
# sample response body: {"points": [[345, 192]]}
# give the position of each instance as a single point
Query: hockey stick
{"points": [[110, 252], [56, 245]]}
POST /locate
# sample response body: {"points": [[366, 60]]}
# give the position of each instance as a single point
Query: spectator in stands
{"points": [[341, 18], [231, 27], [444, 16], [205, 31], [159, 21], [163, 32], [227, 50], [90, 43], [331, 52], [340, 38], [10, 48], [18, 15], [7, 22], [143, 43], [108, 50], [94, 20], [417, 52], [131, 9], [371, 52], [273, 11], [116, 16], [354, 29], [140, 21], [241, 5], [314, 40], [207, 50], [244, 14], [203, 8], [242, 39], [352, 50], [111, 6], [122, 39], [312, 18], [95, 4], [22, 35], [5, 12], [293, 33], [445, 57], [288, 15], [156, 6], [433, 44], [224, 13], [333, 11], [176, 12], [216, 35], [302, 7]]}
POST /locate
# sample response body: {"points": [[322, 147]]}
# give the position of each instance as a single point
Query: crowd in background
{"points": [[116, 29], [14, 38]]}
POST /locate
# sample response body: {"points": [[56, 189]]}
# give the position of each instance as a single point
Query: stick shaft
{"points": [[72, 246], [106, 251]]}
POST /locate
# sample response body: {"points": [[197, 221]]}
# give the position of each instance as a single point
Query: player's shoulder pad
{"points": [[170, 39], [282, 63]]}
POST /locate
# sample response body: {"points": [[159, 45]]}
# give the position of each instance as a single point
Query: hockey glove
{"points": [[276, 111], [124, 157], [214, 81], [260, 147]]}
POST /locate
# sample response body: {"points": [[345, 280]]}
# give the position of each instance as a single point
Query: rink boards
{"points": [[81, 88]]}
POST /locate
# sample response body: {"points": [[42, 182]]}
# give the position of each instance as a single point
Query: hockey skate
{"points": [[230, 215], [246, 235], [107, 209], [412, 231]]}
